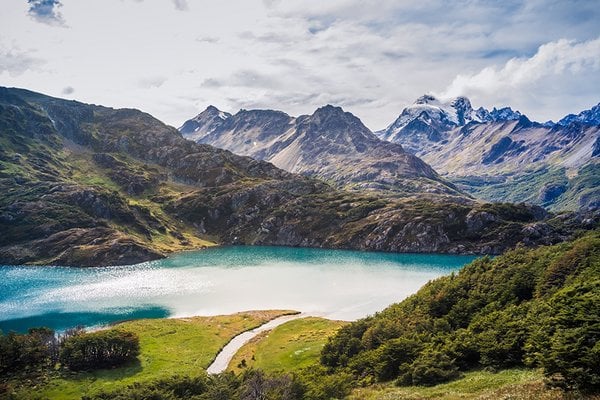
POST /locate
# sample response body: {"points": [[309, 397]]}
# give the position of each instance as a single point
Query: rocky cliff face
{"points": [[330, 144], [488, 153], [88, 185]]}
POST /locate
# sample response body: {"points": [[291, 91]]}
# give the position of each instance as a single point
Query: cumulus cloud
{"points": [[557, 70], [46, 11]]}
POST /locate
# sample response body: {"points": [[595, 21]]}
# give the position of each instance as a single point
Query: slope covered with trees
{"points": [[537, 308]]}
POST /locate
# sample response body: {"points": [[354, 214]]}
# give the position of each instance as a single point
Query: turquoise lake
{"points": [[336, 284]]}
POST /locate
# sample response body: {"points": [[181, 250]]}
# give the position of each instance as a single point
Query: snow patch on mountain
{"points": [[438, 116], [587, 117]]}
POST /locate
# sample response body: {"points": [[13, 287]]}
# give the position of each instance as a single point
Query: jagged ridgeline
{"points": [[535, 308], [90, 185], [501, 155], [330, 144]]}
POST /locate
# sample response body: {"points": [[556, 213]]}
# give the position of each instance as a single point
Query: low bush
{"points": [[102, 349]]}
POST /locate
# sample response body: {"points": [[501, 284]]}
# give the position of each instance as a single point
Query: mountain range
{"points": [[330, 144], [494, 155], [90, 185], [501, 155]]}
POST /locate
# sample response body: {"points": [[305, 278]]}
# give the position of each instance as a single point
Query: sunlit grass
{"points": [[184, 346], [289, 347]]}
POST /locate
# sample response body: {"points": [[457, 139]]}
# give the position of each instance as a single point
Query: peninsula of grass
{"points": [[289, 347], [181, 346], [514, 384]]}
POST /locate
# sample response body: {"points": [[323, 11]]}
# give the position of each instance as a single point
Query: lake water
{"points": [[336, 284]]}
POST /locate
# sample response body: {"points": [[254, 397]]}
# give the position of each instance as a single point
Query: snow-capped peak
{"points": [[432, 115], [207, 119], [430, 110], [586, 117], [428, 99]]}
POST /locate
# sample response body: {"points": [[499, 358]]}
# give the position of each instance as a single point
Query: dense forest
{"points": [[536, 308]]}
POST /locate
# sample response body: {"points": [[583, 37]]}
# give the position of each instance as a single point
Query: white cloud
{"points": [[558, 72], [290, 55], [15, 61]]}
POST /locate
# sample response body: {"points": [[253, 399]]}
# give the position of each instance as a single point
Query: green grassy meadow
{"points": [[289, 347], [183, 346]]}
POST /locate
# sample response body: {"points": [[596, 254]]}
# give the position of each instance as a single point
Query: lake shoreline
{"points": [[168, 254]]}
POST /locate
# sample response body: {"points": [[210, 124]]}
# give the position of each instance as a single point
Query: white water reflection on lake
{"points": [[331, 283]]}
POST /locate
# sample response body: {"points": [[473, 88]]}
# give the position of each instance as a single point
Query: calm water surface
{"points": [[335, 284]]}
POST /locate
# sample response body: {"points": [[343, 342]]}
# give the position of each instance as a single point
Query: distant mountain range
{"points": [[330, 144], [90, 185], [495, 155], [501, 155]]}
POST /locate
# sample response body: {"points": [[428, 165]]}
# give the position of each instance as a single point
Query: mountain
{"points": [[429, 119], [89, 185], [330, 144], [586, 117], [501, 155]]}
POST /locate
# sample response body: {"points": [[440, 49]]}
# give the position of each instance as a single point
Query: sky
{"points": [[173, 58]]}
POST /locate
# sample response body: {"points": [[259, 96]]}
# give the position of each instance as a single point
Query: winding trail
{"points": [[221, 362]]}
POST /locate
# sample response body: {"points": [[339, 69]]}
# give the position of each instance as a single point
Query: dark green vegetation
{"points": [[26, 352], [250, 385], [548, 186], [76, 350], [535, 308], [98, 350], [89, 185]]}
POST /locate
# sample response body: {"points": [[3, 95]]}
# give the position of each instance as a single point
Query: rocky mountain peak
{"points": [[211, 109], [586, 117], [505, 114], [427, 99], [204, 122], [333, 119], [463, 108], [329, 111]]}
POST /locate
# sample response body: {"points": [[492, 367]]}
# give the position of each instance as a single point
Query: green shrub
{"points": [[96, 350], [26, 351], [430, 368], [537, 307]]}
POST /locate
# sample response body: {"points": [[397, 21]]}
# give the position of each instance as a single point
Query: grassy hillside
{"points": [[549, 187], [289, 347], [513, 384]]}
